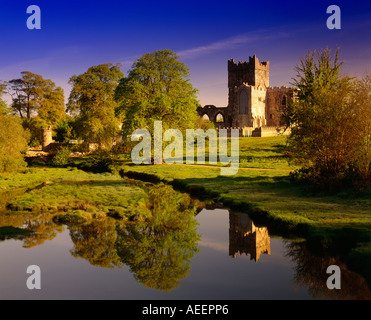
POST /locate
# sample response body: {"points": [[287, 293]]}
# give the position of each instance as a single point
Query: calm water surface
{"points": [[235, 260]]}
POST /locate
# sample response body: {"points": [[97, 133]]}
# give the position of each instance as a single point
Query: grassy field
{"points": [[76, 194]]}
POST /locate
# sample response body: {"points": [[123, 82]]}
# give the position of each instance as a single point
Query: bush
{"points": [[62, 157]]}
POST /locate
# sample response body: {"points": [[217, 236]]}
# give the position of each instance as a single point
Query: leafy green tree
{"points": [[32, 93], [52, 109], [65, 130], [157, 88], [13, 143], [92, 100], [324, 120]]}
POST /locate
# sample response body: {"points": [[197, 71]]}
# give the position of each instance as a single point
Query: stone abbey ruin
{"points": [[253, 107]]}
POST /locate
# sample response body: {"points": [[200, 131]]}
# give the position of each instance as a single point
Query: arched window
{"points": [[244, 106], [219, 118], [205, 117]]}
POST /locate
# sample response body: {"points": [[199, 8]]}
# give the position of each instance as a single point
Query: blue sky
{"points": [[205, 34]]}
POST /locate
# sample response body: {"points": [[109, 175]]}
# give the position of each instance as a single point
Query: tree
{"points": [[92, 100], [13, 143], [324, 119], [33, 96], [3, 106], [13, 139], [361, 99], [157, 88], [52, 109]]}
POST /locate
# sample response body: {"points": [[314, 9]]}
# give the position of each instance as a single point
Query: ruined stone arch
{"points": [[205, 116], [219, 117]]}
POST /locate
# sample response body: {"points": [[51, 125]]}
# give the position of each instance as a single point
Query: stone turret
{"points": [[47, 138]]}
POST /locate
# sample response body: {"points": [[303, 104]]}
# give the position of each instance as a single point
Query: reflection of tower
{"points": [[244, 237]]}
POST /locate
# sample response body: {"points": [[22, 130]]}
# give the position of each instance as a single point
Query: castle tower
{"points": [[247, 86]]}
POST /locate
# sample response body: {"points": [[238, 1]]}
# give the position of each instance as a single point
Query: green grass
{"points": [[72, 191], [266, 152], [256, 152], [271, 191]]}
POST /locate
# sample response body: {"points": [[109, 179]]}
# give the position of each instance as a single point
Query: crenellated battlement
{"points": [[251, 72], [253, 62]]}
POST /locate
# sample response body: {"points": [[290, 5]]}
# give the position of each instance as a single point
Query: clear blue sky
{"points": [[78, 34]]}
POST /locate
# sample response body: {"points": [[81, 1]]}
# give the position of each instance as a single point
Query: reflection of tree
{"points": [[95, 242], [158, 251], [42, 225], [310, 271], [44, 229]]}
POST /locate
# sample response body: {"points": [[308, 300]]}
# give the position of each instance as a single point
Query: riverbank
{"points": [[337, 223]]}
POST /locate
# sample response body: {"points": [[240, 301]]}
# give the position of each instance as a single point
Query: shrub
{"points": [[62, 157]]}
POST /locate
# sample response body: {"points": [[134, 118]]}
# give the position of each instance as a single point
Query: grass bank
{"points": [[339, 222], [74, 195]]}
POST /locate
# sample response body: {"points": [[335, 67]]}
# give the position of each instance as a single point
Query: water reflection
{"points": [[246, 238], [96, 243], [310, 272], [159, 248]]}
